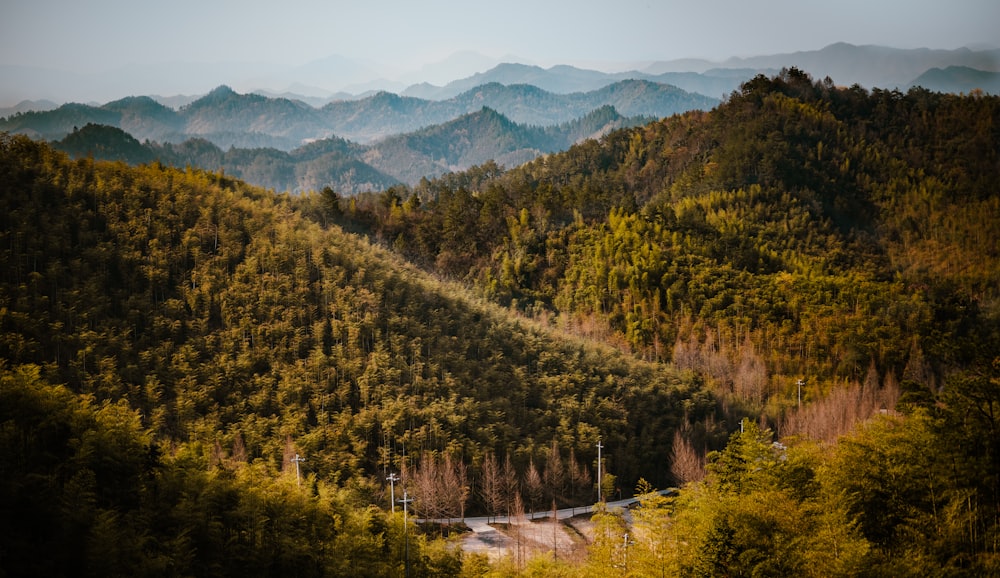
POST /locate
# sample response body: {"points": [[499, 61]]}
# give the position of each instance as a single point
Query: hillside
{"points": [[819, 260], [826, 260], [223, 327], [105, 143], [776, 230], [481, 137], [229, 119]]}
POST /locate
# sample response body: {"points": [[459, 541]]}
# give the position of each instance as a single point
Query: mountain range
{"points": [[306, 139], [338, 77], [471, 139], [230, 119]]}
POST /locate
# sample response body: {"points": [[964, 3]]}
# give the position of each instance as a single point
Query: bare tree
{"points": [[714, 360], [510, 488], [440, 486], [517, 522], [686, 464], [533, 485], [491, 485], [218, 457], [555, 473], [424, 483], [580, 480], [750, 381], [454, 486], [686, 353], [239, 453], [555, 531], [828, 418], [287, 455]]}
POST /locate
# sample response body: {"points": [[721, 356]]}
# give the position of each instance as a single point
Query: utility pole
{"points": [[298, 460], [393, 478], [406, 531], [625, 546], [799, 383], [600, 485]]}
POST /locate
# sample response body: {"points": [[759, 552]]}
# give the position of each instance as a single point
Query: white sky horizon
{"points": [[98, 35]]}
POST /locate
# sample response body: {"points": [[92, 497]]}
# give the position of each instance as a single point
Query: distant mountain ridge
{"points": [[229, 119], [960, 79], [471, 139], [873, 66], [563, 79], [341, 78]]}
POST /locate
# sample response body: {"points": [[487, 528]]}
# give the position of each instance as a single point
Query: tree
{"points": [[761, 511], [440, 487], [686, 464], [606, 554], [656, 542], [750, 460], [511, 489], [555, 473], [454, 486], [426, 488], [579, 476], [491, 485], [534, 487], [331, 204]]}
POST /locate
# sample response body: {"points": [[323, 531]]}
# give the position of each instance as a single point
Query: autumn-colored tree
{"points": [[686, 463], [555, 473], [534, 487], [491, 485]]}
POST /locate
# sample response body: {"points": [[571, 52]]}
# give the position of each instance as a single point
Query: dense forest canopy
{"points": [[820, 260], [829, 229]]}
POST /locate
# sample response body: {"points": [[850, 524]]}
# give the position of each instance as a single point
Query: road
{"points": [[543, 514], [487, 539]]}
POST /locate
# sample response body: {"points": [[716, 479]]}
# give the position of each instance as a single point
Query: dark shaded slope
{"points": [[219, 313]]}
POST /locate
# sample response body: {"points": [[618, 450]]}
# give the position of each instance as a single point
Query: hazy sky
{"points": [[96, 35]]}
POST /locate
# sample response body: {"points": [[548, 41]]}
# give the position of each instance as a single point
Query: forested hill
{"points": [[797, 230], [827, 260], [821, 260], [202, 325]]}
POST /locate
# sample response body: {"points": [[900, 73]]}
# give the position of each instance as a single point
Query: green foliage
{"points": [[921, 487], [228, 333], [760, 512], [207, 331], [84, 490], [911, 495], [105, 143], [809, 229]]}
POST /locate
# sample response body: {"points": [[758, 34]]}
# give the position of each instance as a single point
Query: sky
{"points": [[88, 35], [395, 36]]}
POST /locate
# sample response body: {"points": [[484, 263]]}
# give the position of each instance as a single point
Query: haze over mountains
{"points": [[341, 77], [307, 138], [228, 118], [471, 139], [287, 144]]}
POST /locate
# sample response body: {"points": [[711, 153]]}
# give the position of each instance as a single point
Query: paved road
{"points": [[541, 515], [487, 539]]}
